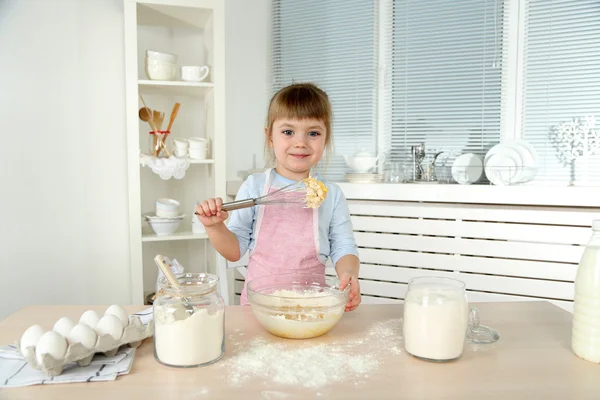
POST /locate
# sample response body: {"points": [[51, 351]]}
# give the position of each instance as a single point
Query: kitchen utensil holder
{"points": [[157, 143]]}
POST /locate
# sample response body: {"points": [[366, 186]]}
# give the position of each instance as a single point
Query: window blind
{"points": [[334, 45], [561, 76], [446, 75]]}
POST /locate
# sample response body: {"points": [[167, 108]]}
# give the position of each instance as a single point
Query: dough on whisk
{"points": [[316, 192]]}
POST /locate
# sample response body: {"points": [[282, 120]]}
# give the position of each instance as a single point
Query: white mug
{"points": [[197, 154], [181, 152], [181, 144], [194, 73]]}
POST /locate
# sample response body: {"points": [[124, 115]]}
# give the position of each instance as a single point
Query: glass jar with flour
{"points": [[189, 321], [438, 322], [436, 315]]}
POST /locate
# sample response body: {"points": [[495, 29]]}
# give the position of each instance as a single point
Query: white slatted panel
{"points": [[502, 253], [561, 74], [333, 44]]}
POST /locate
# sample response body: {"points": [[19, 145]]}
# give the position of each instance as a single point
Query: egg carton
{"points": [[133, 335]]}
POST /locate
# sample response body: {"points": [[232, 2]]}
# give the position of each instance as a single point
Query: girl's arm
{"points": [[343, 251], [347, 270], [224, 241], [231, 241]]}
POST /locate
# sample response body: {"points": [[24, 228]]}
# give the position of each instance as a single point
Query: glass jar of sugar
{"points": [[189, 321], [436, 315]]}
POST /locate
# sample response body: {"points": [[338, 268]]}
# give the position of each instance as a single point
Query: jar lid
{"points": [[190, 284], [480, 334]]}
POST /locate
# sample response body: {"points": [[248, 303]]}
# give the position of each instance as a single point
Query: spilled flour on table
{"points": [[302, 363]]}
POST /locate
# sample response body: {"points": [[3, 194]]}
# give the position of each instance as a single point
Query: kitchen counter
{"points": [[532, 360]]}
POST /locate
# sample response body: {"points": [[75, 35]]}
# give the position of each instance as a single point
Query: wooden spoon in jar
{"points": [[173, 116]]}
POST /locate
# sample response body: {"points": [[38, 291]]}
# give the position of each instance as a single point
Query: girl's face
{"points": [[298, 146]]}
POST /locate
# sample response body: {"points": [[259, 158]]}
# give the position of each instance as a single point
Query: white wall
{"points": [[248, 82], [64, 236], [63, 171]]}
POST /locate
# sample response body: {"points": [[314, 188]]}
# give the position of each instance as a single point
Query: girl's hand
{"points": [[209, 212], [349, 279]]}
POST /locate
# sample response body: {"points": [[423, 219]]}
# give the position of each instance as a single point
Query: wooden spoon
{"points": [[145, 114], [164, 267], [173, 116]]}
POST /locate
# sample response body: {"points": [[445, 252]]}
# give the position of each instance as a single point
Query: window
{"points": [[561, 76], [456, 75], [332, 44], [446, 75]]}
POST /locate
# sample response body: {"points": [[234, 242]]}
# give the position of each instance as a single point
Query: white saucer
{"points": [[152, 216]]}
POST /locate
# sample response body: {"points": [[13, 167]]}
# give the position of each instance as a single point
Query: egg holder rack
{"points": [[133, 335]]}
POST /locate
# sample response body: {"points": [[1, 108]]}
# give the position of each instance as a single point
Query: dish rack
{"points": [[500, 176]]}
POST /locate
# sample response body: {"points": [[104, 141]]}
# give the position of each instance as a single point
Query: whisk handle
{"points": [[236, 205]]}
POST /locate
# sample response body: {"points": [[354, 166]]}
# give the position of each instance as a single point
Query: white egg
{"points": [[83, 334], [119, 313], [51, 343], [63, 326], [90, 318], [110, 325], [31, 337]]}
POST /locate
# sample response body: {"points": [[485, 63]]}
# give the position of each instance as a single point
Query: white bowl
{"points": [[157, 55], [167, 205], [164, 227], [167, 214], [160, 71]]}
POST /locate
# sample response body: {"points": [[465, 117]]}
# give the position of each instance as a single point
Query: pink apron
{"points": [[286, 240]]}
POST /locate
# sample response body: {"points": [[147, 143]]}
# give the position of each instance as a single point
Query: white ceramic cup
{"points": [[192, 73], [181, 144], [181, 152], [198, 143], [197, 153]]}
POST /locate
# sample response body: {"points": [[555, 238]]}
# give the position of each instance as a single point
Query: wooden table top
{"points": [[532, 360]]}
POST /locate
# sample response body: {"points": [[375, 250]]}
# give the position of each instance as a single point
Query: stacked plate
{"points": [[511, 162], [464, 168], [364, 177]]}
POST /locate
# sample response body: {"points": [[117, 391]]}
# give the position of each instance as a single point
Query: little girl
{"points": [[285, 239]]}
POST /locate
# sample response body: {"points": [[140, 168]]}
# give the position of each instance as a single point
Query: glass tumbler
{"points": [[436, 313], [393, 172], [189, 321]]}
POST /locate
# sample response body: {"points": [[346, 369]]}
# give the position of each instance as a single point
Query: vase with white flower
{"points": [[576, 142]]}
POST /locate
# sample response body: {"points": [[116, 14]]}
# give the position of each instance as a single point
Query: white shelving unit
{"points": [[194, 30]]}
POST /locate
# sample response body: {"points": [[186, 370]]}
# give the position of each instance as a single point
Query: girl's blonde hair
{"points": [[299, 101]]}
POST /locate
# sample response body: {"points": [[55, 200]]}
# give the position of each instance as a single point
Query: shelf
{"points": [[172, 16], [175, 88], [201, 161], [151, 237], [192, 161]]}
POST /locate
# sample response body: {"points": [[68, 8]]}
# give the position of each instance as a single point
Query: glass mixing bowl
{"points": [[297, 305]]}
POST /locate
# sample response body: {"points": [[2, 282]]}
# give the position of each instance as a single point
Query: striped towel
{"points": [[14, 370]]}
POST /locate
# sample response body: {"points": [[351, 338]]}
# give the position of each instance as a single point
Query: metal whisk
{"points": [[294, 193]]}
